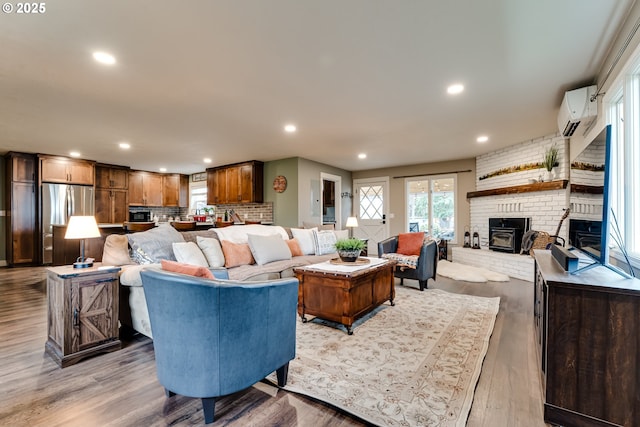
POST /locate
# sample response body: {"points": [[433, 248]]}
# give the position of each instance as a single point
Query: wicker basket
{"points": [[543, 239]]}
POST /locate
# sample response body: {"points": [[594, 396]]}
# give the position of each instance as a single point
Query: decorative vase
{"points": [[550, 175], [349, 256]]}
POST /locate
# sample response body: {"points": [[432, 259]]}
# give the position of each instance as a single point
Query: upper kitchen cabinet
{"points": [[66, 171], [145, 188], [237, 183], [175, 190], [112, 177]]}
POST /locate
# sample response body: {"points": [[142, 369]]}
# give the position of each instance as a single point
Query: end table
{"points": [[83, 312]]}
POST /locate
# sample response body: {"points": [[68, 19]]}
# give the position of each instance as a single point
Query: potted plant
{"points": [[349, 249], [550, 161]]}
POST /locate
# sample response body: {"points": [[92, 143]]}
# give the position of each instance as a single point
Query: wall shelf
{"points": [[587, 189], [517, 189]]}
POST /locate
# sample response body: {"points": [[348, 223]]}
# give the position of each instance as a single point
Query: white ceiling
{"points": [[219, 79]]}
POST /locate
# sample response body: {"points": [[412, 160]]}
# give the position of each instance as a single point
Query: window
{"points": [[197, 197], [624, 115], [431, 206]]}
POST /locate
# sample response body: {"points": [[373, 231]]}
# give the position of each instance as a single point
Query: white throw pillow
{"points": [[212, 250], [305, 239], [189, 253], [266, 249], [325, 242]]}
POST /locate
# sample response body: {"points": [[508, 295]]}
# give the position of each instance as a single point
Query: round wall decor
{"points": [[280, 184]]}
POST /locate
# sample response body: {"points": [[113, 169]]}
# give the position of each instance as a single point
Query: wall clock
{"points": [[280, 184]]}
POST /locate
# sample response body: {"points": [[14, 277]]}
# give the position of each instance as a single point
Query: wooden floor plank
{"points": [[121, 389]]}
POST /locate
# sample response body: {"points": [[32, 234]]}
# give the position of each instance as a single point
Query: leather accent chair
{"points": [[427, 261], [215, 337]]}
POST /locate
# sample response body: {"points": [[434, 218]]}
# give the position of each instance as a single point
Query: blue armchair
{"points": [[427, 261], [215, 337]]}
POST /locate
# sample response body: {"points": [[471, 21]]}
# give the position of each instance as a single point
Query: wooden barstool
{"points": [[184, 225], [130, 227]]}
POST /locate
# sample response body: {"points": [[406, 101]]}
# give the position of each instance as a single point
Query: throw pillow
{"points": [[294, 247], [236, 254], [155, 244], [266, 249], [116, 250], [410, 243], [189, 253], [192, 270], [212, 250], [325, 242], [305, 239]]}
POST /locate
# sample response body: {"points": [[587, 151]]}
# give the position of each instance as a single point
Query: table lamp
{"points": [[82, 227], [352, 222]]}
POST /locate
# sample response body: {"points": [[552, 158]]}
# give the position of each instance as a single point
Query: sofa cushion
{"points": [[268, 248], [410, 243], [192, 270], [236, 254], [305, 238], [155, 244], [212, 250], [294, 247], [239, 233], [189, 253], [324, 242], [309, 225], [116, 250], [192, 235]]}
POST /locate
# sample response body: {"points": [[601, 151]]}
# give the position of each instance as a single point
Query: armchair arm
{"points": [[388, 246], [428, 261]]}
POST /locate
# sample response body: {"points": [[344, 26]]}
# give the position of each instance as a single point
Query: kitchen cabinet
{"points": [[145, 188], [587, 335], [82, 312], [66, 171], [175, 190], [237, 183], [112, 195], [21, 204]]}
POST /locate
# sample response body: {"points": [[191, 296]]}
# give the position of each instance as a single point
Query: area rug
{"points": [[413, 364], [469, 273]]}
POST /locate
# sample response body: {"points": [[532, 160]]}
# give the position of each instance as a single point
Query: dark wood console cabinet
{"points": [[588, 332]]}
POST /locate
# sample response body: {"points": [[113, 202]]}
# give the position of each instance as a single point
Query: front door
{"points": [[371, 208]]}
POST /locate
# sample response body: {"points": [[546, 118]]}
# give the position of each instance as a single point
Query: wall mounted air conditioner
{"points": [[577, 110]]}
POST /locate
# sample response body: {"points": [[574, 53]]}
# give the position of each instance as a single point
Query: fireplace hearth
{"points": [[505, 234]]}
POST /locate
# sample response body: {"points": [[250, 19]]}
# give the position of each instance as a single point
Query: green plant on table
{"points": [[350, 244]]}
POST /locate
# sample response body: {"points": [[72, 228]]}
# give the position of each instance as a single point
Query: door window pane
{"points": [[371, 206]]}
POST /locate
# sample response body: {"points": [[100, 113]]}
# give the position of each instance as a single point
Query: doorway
{"points": [[330, 202], [371, 210]]}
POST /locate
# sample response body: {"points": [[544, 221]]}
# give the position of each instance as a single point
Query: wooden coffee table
{"points": [[344, 296]]}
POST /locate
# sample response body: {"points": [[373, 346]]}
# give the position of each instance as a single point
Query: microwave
{"points": [[139, 216]]}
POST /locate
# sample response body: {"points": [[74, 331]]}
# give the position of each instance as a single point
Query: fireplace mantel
{"points": [[517, 189]]}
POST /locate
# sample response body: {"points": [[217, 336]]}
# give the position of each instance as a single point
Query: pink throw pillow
{"points": [[294, 247], [192, 270], [410, 243], [236, 254]]}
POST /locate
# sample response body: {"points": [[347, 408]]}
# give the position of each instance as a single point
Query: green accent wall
{"points": [[285, 204]]}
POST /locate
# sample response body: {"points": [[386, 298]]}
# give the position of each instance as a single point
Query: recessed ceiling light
{"points": [[482, 139], [163, 169], [74, 154], [206, 160], [290, 128], [455, 89], [362, 156], [104, 58], [124, 145]]}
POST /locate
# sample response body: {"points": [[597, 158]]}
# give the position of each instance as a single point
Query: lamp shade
{"points": [[82, 227], [352, 221]]}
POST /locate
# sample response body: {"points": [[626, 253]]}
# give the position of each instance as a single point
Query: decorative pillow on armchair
{"points": [[410, 243]]}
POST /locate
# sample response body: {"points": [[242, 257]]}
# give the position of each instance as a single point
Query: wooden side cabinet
{"points": [[82, 312]]}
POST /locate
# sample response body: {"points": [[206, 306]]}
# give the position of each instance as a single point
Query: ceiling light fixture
{"points": [[104, 58], [124, 145], [362, 156], [163, 169], [290, 128], [206, 160], [482, 139], [74, 154], [455, 89]]}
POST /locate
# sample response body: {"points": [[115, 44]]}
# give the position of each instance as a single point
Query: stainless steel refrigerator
{"points": [[59, 202]]}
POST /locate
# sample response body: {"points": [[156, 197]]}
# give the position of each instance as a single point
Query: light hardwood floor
{"points": [[121, 389]]}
